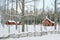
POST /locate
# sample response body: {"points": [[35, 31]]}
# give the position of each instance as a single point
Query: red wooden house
{"points": [[12, 22], [48, 22]]}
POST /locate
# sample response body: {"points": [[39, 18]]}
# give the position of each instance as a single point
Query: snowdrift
{"points": [[46, 37]]}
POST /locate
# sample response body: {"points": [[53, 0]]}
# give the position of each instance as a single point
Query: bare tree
{"points": [[56, 3], [16, 10], [23, 6]]}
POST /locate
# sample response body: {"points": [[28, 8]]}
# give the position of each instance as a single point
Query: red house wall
{"points": [[47, 22]]}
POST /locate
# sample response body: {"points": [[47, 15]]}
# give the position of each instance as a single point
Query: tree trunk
{"points": [[23, 15], [55, 7], [16, 11]]}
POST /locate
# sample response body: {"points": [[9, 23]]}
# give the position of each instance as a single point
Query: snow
{"points": [[46, 37], [38, 28], [4, 32], [11, 20]]}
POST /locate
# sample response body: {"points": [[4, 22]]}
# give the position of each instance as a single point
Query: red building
{"points": [[10, 22], [48, 22]]}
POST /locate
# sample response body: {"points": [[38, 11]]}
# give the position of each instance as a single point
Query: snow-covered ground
{"points": [[46, 37], [38, 28], [4, 31]]}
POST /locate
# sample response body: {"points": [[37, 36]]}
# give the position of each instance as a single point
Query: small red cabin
{"points": [[48, 22], [10, 22]]}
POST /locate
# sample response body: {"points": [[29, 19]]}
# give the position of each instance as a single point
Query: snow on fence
{"points": [[29, 34]]}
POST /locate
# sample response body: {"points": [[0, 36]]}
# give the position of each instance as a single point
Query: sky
{"points": [[48, 4], [39, 5]]}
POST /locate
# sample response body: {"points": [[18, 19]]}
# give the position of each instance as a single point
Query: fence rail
{"points": [[29, 34]]}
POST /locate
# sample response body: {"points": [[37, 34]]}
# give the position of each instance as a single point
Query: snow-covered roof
{"points": [[11, 20], [48, 19]]}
